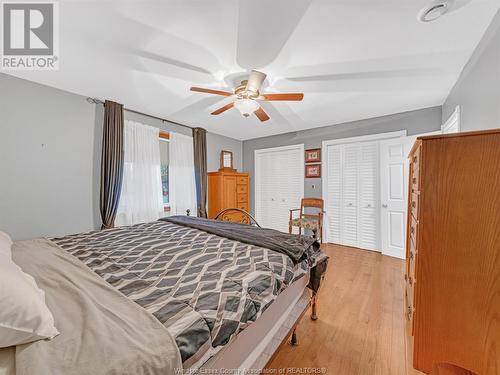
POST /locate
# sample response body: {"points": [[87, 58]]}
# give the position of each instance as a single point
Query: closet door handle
{"points": [[384, 206]]}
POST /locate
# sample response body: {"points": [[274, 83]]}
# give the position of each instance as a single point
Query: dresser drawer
{"points": [[243, 206], [415, 159], [413, 264], [241, 189], [415, 181], [414, 205], [409, 302], [413, 231], [235, 217], [242, 180], [241, 198]]}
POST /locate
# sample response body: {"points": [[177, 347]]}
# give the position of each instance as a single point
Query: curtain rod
{"points": [[99, 101]]}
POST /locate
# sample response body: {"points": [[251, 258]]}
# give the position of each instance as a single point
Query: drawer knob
{"points": [[414, 204], [414, 180]]}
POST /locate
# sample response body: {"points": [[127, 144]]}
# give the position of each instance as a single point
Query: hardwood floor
{"points": [[361, 325]]}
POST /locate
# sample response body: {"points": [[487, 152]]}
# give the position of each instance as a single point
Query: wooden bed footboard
{"points": [[237, 215]]}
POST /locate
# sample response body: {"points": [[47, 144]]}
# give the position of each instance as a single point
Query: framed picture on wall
{"points": [[313, 171], [313, 155]]}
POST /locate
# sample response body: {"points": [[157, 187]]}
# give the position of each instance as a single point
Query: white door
{"points": [[349, 223], [332, 193], [394, 194], [351, 194], [368, 213], [279, 184]]}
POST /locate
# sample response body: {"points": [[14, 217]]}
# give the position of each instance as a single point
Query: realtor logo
{"points": [[30, 36]]}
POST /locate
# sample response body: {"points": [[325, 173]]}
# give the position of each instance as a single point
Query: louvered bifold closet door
{"points": [[368, 173], [334, 193], [281, 186], [265, 202], [349, 223]]}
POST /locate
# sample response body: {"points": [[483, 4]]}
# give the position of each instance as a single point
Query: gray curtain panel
{"points": [[200, 169], [111, 163]]}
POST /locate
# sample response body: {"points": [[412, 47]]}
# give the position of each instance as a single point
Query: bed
{"points": [[207, 294]]}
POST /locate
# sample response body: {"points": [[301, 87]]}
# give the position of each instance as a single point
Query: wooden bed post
{"points": [[293, 340], [314, 299]]}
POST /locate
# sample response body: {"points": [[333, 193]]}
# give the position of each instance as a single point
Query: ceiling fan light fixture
{"points": [[433, 11], [246, 106]]}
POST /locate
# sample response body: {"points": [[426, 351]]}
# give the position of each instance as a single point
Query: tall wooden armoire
{"points": [[453, 252], [228, 190]]}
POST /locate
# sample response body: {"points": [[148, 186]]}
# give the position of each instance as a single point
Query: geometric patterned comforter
{"points": [[204, 288]]}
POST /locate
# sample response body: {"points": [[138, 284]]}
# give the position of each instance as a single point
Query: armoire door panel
{"points": [[230, 191]]}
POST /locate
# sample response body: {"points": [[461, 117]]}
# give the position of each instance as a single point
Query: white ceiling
{"points": [[353, 59]]}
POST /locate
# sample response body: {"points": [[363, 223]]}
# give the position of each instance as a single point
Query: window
{"points": [[164, 159]]}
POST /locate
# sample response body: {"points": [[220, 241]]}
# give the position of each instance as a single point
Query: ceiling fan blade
{"points": [[210, 91], [287, 96], [255, 81], [223, 109], [261, 114]]}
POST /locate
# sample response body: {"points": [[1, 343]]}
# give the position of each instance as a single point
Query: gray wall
{"points": [[49, 146], [477, 91], [415, 122], [50, 149]]}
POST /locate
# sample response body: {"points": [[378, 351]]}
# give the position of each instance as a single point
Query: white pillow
{"points": [[24, 316], [5, 244]]}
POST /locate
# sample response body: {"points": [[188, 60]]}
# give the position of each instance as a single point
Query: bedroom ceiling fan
{"points": [[247, 95]]}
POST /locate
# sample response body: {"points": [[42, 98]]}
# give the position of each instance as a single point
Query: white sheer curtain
{"points": [[181, 186], [141, 197]]}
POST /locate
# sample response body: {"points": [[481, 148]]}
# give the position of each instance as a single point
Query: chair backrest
{"points": [[311, 203]]}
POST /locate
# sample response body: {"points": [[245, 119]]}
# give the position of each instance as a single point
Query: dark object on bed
{"points": [[293, 246], [297, 248]]}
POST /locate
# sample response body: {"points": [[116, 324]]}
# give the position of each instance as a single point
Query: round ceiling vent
{"points": [[433, 11]]}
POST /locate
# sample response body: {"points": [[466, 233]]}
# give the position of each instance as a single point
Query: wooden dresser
{"points": [[453, 252], [228, 190]]}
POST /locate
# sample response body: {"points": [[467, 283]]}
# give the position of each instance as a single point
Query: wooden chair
{"points": [[310, 221]]}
